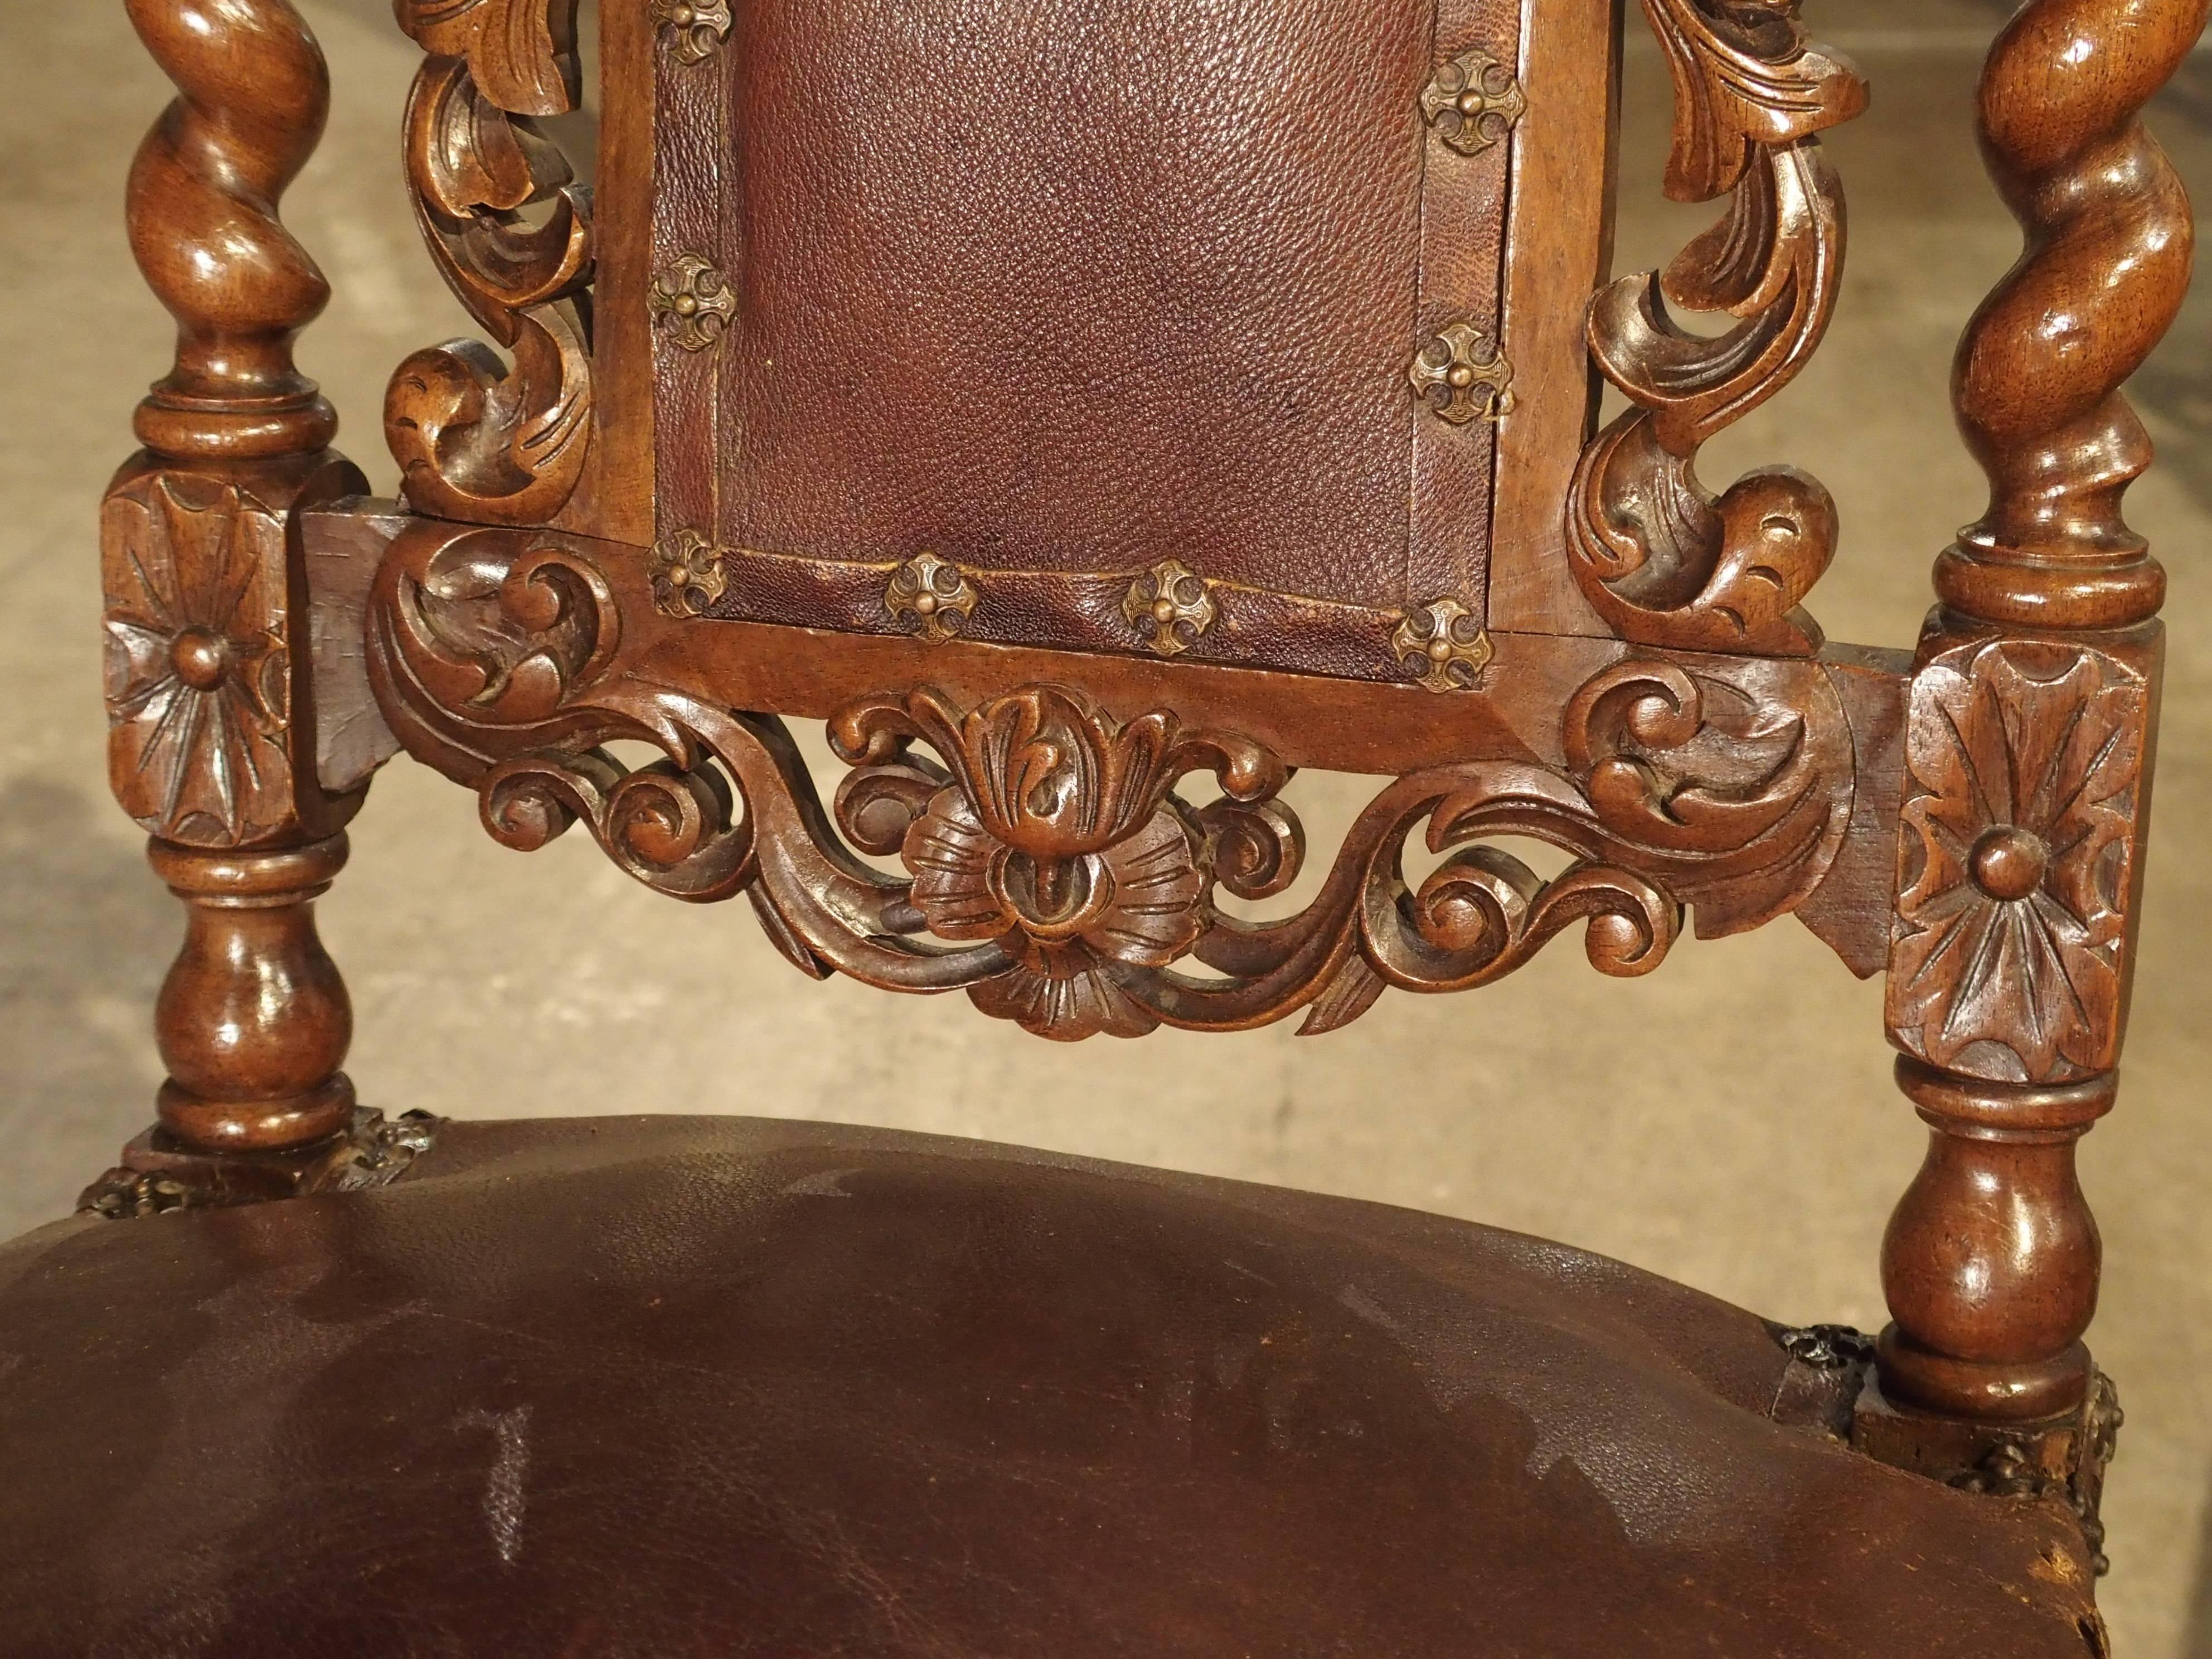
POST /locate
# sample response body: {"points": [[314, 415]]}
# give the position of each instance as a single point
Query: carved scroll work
{"points": [[1051, 867], [512, 234], [1663, 562]]}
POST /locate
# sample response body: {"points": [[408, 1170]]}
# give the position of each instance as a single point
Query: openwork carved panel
{"points": [[2026, 762], [1662, 560], [1055, 863], [476, 438]]}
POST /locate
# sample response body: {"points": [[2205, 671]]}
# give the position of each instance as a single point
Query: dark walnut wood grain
{"points": [[2029, 749], [211, 712]]}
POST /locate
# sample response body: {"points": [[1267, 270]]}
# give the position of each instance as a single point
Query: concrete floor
{"points": [[1633, 1119]]}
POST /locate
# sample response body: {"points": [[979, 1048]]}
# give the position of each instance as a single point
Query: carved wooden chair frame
{"points": [[1968, 818]]}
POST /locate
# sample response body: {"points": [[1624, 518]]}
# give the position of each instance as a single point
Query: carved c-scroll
{"points": [[1052, 868], [1663, 562], [475, 438]]}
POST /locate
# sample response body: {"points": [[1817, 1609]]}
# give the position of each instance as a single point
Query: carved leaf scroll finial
{"points": [[1662, 559], [511, 232]]}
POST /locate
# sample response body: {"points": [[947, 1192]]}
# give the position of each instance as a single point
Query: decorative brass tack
{"points": [[935, 594], [1444, 644], [695, 29], [688, 574], [1166, 601], [1474, 102], [692, 301], [1463, 376]]}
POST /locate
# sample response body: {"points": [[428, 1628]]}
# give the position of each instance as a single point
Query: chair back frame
{"points": [[1629, 673]]}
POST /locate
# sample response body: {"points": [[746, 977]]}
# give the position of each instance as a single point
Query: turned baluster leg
{"points": [[211, 739], [2028, 751], [253, 1019]]}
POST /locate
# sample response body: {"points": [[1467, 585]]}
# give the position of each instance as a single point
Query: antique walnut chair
{"points": [[1094, 410]]}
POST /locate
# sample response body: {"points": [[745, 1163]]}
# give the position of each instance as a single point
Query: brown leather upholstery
{"points": [[666, 1385], [1061, 290]]}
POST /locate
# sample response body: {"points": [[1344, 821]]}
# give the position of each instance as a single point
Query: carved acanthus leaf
{"points": [[521, 53], [511, 232], [1050, 866], [1746, 77], [1662, 560]]}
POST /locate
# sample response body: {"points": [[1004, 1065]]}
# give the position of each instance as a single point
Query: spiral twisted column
{"points": [[212, 746], [254, 94], [2028, 751], [2110, 239]]}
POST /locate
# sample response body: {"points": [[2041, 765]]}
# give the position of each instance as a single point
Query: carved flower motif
{"points": [[1058, 838], [2006, 959], [198, 699]]}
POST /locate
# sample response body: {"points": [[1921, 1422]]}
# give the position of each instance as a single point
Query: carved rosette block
{"points": [[476, 438], [199, 693], [1050, 866], [1661, 560], [2026, 762]]}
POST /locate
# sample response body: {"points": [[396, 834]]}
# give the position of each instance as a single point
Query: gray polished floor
{"points": [[1559, 1103]]}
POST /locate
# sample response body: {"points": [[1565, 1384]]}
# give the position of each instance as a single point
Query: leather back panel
{"points": [[1061, 290]]}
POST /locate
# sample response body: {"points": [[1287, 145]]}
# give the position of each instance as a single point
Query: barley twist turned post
{"points": [[211, 740], [2031, 725]]}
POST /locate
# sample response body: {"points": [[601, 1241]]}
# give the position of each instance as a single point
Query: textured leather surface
{"points": [[667, 1386], [1072, 287]]}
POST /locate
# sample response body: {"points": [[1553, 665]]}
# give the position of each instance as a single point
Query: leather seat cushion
{"points": [[662, 1386]]}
